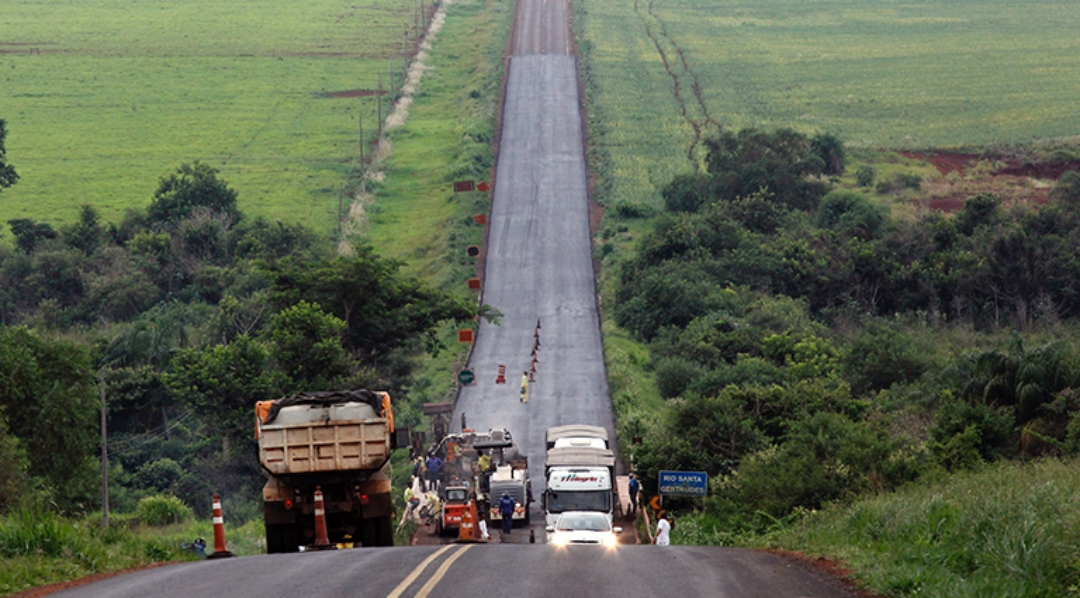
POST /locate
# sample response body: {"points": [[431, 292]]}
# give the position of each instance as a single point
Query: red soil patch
{"points": [[1049, 170], [946, 204], [828, 569], [356, 93], [945, 162]]}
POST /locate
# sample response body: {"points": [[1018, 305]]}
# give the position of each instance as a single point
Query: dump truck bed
{"points": [[324, 446]]}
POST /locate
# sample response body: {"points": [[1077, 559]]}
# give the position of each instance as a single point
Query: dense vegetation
{"points": [[812, 347], [188, 313]]}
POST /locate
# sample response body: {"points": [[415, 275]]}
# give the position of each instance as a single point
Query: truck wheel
{"points": [[368, 536], [290, 538], [384, 531], [274, 539]]}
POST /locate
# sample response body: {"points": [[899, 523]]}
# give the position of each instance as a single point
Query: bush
{"points": [[675, 374], [865, 174], [162, 510], [159, 475], [32, 532]]}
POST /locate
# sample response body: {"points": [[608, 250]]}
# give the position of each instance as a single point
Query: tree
{"points": [[8, 176], [830, 149], [222, 383], [192, 186], [306, 344], [28, 233], [1067, 190], [87, 233], [13, 467], [981, 210], [49, 395], [382, 309]]}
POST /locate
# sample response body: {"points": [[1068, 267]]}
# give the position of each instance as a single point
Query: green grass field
{"points": [[879, 74], [1007, 531], [104, 97]]}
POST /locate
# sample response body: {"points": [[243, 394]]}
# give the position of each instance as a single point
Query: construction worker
{"points": [[525, 387], [506, 510], [434, 463], [635, 488]]}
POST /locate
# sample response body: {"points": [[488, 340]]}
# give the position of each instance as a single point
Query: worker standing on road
{"points": [[433, 465], [663, 531], [506, 510], [635, 488], [525, 387], [418, 472]]}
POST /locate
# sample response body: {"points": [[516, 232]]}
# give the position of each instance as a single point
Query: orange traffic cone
{"points": [[220, 551], [322, 542], [467, 528]]}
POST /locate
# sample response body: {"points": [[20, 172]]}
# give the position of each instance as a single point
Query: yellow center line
{"points": [[417, 571], [430, 585]]}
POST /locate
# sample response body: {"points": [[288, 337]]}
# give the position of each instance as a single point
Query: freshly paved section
{"points": [[465, 570], [539, 266], [541, 27]]}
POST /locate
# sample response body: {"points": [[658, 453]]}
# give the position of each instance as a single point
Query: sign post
{"points": [[466, 377], [684, 483]]}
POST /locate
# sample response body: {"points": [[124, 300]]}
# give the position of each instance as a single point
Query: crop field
{"points": [[102, 98], [877, 73]]}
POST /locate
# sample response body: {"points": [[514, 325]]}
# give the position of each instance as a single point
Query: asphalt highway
{"points": [[538, 267], [463, 570]]}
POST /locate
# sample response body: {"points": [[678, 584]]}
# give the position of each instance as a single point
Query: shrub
{"points": [[675, 374], [627, 209], [865, 174], [159, 475], [32, 532], [162, 510]]}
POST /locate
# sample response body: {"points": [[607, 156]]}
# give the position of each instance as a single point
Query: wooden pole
{"points": [[379, 94], [104, 453], [361, 142]]}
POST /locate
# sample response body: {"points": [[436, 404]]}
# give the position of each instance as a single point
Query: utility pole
{"points": [[104, 453], [361, 142], [340, 193], [379, 95]]}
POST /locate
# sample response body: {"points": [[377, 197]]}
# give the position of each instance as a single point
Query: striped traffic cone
{"points": [[220, 550], [322, 541]]}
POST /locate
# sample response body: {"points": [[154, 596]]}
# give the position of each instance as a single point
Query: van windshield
{"points": [[579, 500], [455, 494]]}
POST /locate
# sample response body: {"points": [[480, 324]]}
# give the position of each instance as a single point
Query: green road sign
{"points": [[466, 377]]}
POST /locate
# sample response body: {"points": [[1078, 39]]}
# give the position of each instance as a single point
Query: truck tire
{"points": [[368, 535], [290, 538], [274, 539], [384, 531]]}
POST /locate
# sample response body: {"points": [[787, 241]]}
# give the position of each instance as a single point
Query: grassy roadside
{"points": [[43, 548], [1010, 530], [412, 214]]}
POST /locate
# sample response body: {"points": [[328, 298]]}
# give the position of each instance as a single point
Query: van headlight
{"points": [[558, 540], [611, 541]]}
